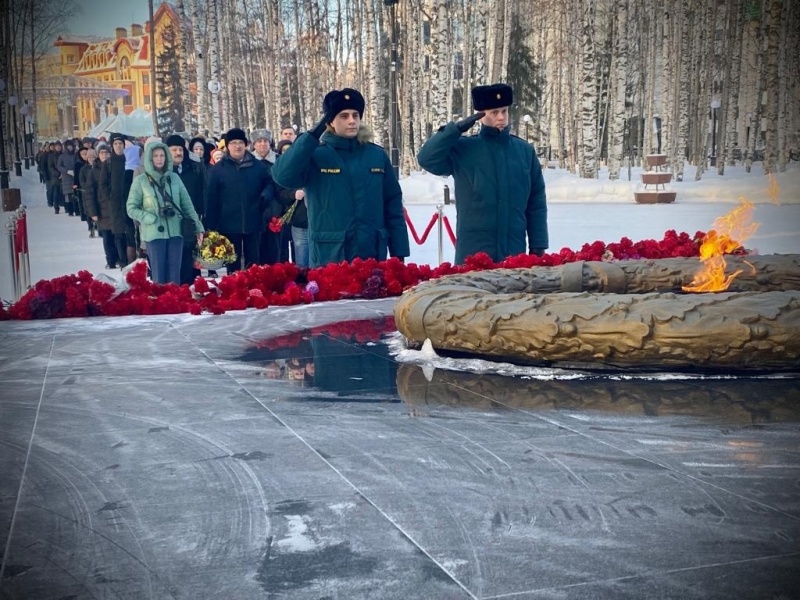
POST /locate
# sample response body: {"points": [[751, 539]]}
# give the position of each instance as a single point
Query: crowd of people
{"points": [[332, 192]]}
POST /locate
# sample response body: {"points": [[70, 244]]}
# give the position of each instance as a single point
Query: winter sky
{"points": [[100, 17]]}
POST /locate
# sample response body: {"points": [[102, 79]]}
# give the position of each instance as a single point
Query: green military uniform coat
{"points": [[499, 188], [355, 206]]}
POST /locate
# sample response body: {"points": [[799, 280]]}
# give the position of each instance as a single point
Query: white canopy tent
{"points": [[137, 124]]}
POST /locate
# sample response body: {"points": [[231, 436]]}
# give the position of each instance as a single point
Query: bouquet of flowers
{"points": [[214, 252], [277, 223]]}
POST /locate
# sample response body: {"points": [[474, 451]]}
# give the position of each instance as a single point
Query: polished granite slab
{"points": [[276, 454]]}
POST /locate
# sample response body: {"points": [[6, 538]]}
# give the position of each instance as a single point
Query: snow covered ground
{"points": [[580, 211]]}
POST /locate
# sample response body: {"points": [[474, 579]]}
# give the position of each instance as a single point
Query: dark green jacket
{"points": [[355, 204], [499, 188]]}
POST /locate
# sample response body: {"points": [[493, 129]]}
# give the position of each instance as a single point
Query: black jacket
{"points": [[193, 176], [238, 195], [96, 185], [115, 166]]}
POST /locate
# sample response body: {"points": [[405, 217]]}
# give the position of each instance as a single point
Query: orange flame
{"points": [[728, 234], [773, 189]]}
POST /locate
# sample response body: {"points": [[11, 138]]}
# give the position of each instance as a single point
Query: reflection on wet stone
{"points": [[343, 358], [742, 400]]}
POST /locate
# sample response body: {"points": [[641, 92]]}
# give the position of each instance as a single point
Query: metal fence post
{"points": [[24, 254], [11, 231], [439, 210]]}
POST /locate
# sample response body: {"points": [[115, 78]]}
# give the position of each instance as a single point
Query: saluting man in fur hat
{"points": [[499, 187], [354, 202]]}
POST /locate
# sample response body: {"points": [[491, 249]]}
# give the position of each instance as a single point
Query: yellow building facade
{"points": [[87, 80]]}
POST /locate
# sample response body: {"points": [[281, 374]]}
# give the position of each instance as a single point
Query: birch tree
{"points": [[619, 71], [440, 64], [588, 160]]}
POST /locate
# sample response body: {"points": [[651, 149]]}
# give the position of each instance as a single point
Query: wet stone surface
{"points": [[291, 453]]}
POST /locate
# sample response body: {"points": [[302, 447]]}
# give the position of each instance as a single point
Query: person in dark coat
{"points": [[274, 246], [121, 224], [66, 170], [193, 176], [499, 187], [354, 201], [97, 201], [299, 219], [41, 163], [240, 191], [77, 190], [84, 180], [54, 178]]}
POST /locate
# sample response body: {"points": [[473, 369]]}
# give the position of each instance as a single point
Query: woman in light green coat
{"points": [[159, 201]]}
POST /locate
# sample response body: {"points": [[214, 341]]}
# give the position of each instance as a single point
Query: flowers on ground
{"points": [[215, 250], [285, 284]]}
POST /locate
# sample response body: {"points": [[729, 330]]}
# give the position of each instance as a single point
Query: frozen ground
{"points": [[182, 457], [171, 457]]}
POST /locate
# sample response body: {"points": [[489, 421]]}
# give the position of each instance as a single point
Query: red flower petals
{"points": [[286, 285]]}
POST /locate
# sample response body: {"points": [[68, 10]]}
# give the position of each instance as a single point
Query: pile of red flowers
{"points": [[284, 284]]}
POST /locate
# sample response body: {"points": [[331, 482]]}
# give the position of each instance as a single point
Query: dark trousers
{"points": [[121, 243], [165, 259], [54, 195], [269, 248], [247, 247], [109, 247], [188, 272]]}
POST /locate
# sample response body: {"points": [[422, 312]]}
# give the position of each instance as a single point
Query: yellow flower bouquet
{"points": [[214, 252]]}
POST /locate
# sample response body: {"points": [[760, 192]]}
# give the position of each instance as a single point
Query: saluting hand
{"points": [[466, 124]]}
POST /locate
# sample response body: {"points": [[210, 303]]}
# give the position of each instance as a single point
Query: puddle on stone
{"points": [[346, 358], [356, 361]]}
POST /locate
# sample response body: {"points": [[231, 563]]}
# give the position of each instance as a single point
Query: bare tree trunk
{"points": [[772, 16], [153, 86], [184, 33], [733, 82], [722, 80], [706, 94], [588, 160], [619, 70], [225, 65], [440, 65], [203, 123], [467, 47], [214, 64], [784, 87], [481, 41], [376, 93]]}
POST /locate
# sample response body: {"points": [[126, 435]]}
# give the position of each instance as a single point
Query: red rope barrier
{"points": [[20, 239], [427, 231], [449, 230]]}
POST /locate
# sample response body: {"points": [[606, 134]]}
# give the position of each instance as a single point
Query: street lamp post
{"points": [[527, 120], [714, 104], [3, 166], [12, 100], [393, 133], [23, 111]]}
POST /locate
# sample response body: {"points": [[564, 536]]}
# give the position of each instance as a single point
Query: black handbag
{"points": [[188, 228]]}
